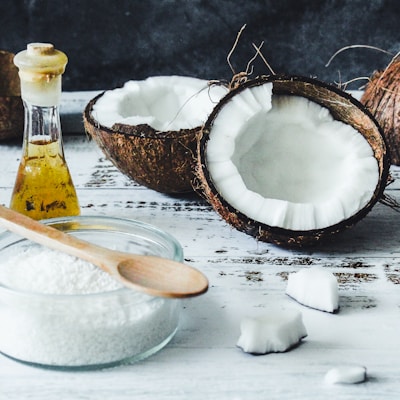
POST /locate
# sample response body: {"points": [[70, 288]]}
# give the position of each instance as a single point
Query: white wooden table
{"points": [[246, 277]]}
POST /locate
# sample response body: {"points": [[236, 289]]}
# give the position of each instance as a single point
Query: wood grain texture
{"points": [[246, 277]]}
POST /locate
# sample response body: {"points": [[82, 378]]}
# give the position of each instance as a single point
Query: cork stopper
{"points": [[40, 69], [40, 49], [41, 60]]}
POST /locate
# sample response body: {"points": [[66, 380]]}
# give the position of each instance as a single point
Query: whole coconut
{"points": [[11, 108], [382, 99]]}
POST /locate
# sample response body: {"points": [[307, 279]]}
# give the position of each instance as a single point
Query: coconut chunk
{"points": [[290, 151], [314, 287], [276, 332], [346, 374], [166, 103]]}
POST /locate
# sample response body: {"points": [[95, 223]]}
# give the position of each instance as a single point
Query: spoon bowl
{"points": [[153, 275]]}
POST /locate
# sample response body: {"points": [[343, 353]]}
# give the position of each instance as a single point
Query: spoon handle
{"points": [[51, 237], [146, 273]]}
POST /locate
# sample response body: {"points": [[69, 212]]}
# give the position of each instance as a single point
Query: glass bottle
{"points": [[43, 187]]}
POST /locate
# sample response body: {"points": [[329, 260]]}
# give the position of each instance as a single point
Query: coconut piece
{"points": [[149, 128], [278, 331], [314, 287], [291, 160], [346, 374], [381, 96], [11, 107]]}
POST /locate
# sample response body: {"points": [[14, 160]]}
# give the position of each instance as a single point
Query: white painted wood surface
{"points": [[246, 277]]}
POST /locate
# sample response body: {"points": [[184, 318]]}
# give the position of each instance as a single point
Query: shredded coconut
{"points": [[40, 270], [70, 314]]}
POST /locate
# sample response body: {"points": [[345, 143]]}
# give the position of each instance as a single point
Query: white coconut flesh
{"points": [[284, 161], [166, 103]]}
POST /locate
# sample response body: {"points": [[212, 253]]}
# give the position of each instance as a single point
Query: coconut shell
{"points": [[9, 82], [343, 107], [382, 98], [162, 161], [11, 118], [11, 107]]}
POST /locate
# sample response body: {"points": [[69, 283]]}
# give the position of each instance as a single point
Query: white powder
{"points": [[36, 269], [61, 325]]}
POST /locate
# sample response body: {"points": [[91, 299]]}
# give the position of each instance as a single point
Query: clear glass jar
{"points": [[89, 331]]}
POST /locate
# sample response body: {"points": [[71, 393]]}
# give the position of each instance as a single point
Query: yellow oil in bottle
{"points": [[43, 187]]}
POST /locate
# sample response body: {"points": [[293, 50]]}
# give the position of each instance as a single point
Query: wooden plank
{"points": [[246, 277]]}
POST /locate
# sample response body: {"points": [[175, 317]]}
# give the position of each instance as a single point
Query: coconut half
{"points": [[291, 160], [149, 128]]}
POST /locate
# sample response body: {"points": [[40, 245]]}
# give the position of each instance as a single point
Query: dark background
{"points": [[110, 42]]}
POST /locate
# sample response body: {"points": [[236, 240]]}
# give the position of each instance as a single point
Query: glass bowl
{"points": [[89, 331]]}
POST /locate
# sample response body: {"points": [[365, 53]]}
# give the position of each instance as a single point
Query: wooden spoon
{"points": [[150, 274]]}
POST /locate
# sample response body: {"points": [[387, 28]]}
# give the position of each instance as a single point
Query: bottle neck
{"points": [[42, 125], [41, 90]]}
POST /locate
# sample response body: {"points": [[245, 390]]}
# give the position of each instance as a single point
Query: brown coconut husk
{"points": [[11, 107], [162, 161], [343, 107], [382, 98]]}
